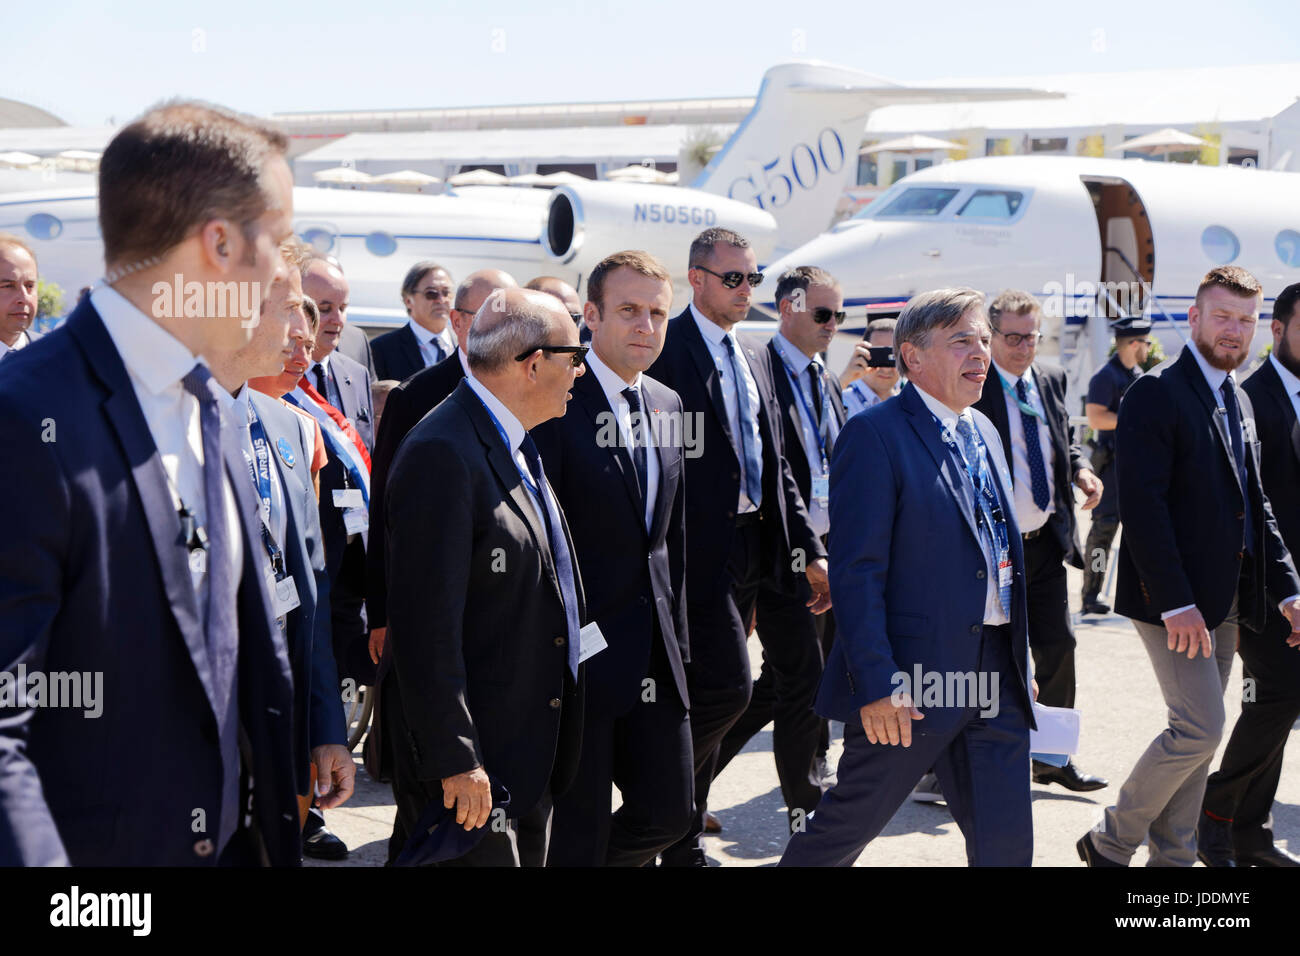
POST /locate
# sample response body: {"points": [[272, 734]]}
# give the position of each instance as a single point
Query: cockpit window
{"points": [[919, 201], [992, 204]]}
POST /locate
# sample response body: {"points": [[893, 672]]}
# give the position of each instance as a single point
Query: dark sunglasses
{"points": [[822, 315], [732, 279], [433, 295], [578, 352]]}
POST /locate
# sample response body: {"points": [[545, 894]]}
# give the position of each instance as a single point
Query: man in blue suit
{"points": [[134, 559], [927, 576]]}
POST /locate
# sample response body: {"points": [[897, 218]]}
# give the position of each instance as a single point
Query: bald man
{"points": [[407, 404], [554, 285], [485, 601]]}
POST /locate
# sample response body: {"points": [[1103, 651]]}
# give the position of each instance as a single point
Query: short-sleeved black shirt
{"points": [[1107, 387]]}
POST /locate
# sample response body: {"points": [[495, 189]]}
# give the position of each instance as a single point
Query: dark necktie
{"points": [[749, 458], [559, 550], [814, 373], [638, 440], [319, 371], [1229, 391], [1034, 449], [222, 632], [438, 353]]}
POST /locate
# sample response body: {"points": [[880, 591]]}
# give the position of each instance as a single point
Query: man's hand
{"points": [[1090, 485], [471, 795], [857, 366], [1187, 632], [887, 722], [377, 637], [335, 774], [1033, 686], [1292, 614], [818, 574]]}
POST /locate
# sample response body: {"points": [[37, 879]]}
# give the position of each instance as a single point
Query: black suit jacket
{"points": [[713, 470], [397, 354], [635, 578], [1069, 459], [476, 623], [1181, 504], [792, 418], [407, 404], [352, 379], [355, 344], [94, 577]]}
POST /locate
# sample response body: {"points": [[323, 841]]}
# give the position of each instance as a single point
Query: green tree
{"points": [[49, 300]]}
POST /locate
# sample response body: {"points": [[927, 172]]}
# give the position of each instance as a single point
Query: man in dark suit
{"points": [[1235, 824], [1200, 555], [929, 585], [292, 556], [135, 556], [18, 301], [485, 602], [425, 339], [407, 404], [794, 640], [615, 461], [744, 518], [355, 344], [1026, 403]]}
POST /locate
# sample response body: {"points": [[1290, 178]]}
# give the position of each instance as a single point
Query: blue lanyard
{"points": [[1011, 391], [350, 470], [824, 432], [982, 481], [259, 468], [523, 472]]}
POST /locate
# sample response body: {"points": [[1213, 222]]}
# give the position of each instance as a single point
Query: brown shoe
{"points": [[711, 823]]}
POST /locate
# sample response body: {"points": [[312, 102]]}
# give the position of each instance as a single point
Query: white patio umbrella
{"points": [[406, 177], [637, 174], [528, 179], [1161, 143], [17, 159], [82, 160], [477, 177], [563, 178], [341, 176], [913, 143]]}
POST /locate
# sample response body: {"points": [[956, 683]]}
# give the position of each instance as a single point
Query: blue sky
{"points": [[88, 62]]}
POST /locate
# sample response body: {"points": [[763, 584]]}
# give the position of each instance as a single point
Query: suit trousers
{"points": [[646, 753], [1161, 799], [718, 677], [982, 764], [1243, 788], [1051, 639], [783, 695]]}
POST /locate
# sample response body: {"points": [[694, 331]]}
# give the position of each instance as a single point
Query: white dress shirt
{"points": [[22, 341], [713, 336], [858, 397], [613, 386], [426, 338], [237, 408], [818, 463], [156, 362], [515, 432], [1029, 516], [994, 614]]}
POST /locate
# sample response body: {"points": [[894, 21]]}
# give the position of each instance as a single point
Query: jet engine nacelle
{"points": [[586, 222]]}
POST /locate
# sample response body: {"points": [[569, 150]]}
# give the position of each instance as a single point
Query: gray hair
{"points": [[937, 309], [515, 327], [415, 275]]}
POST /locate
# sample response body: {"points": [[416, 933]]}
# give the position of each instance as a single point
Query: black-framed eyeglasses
{"points": [[1015, 339], [576, 352], [433, 295], [731, 280], [577, 317], [821, 315]]}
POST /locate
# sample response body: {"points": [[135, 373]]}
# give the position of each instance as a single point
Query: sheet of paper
{"points": [[591, 641], [1058, 730]]}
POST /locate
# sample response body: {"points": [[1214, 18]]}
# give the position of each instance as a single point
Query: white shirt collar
{"points": [[793, 356], [609, 380], [424, 336], [1289, 381], [325, 364], [22, 341], [1214, 376], [151, 354], [514, 428], [1027, 378], [946, 415], [464, 360], [712, 332]]}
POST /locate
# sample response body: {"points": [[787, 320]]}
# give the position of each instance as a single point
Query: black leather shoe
{"points": [[1095, 607], [1214, 842], [1069, 777], [323, 845], [1269, 855], [1089, 855]]}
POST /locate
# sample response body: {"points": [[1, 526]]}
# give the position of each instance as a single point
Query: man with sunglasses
{"points": [[745, 520], [794, 640], [482, 703], [425, 340], [1025, 400], [1105, 391]]}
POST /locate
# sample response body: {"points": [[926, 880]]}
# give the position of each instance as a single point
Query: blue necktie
{"points": [[1229, 391], [222, 633], [633, 398], [1037, 470], [559, 551], [994, 532], [749, 454]]}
